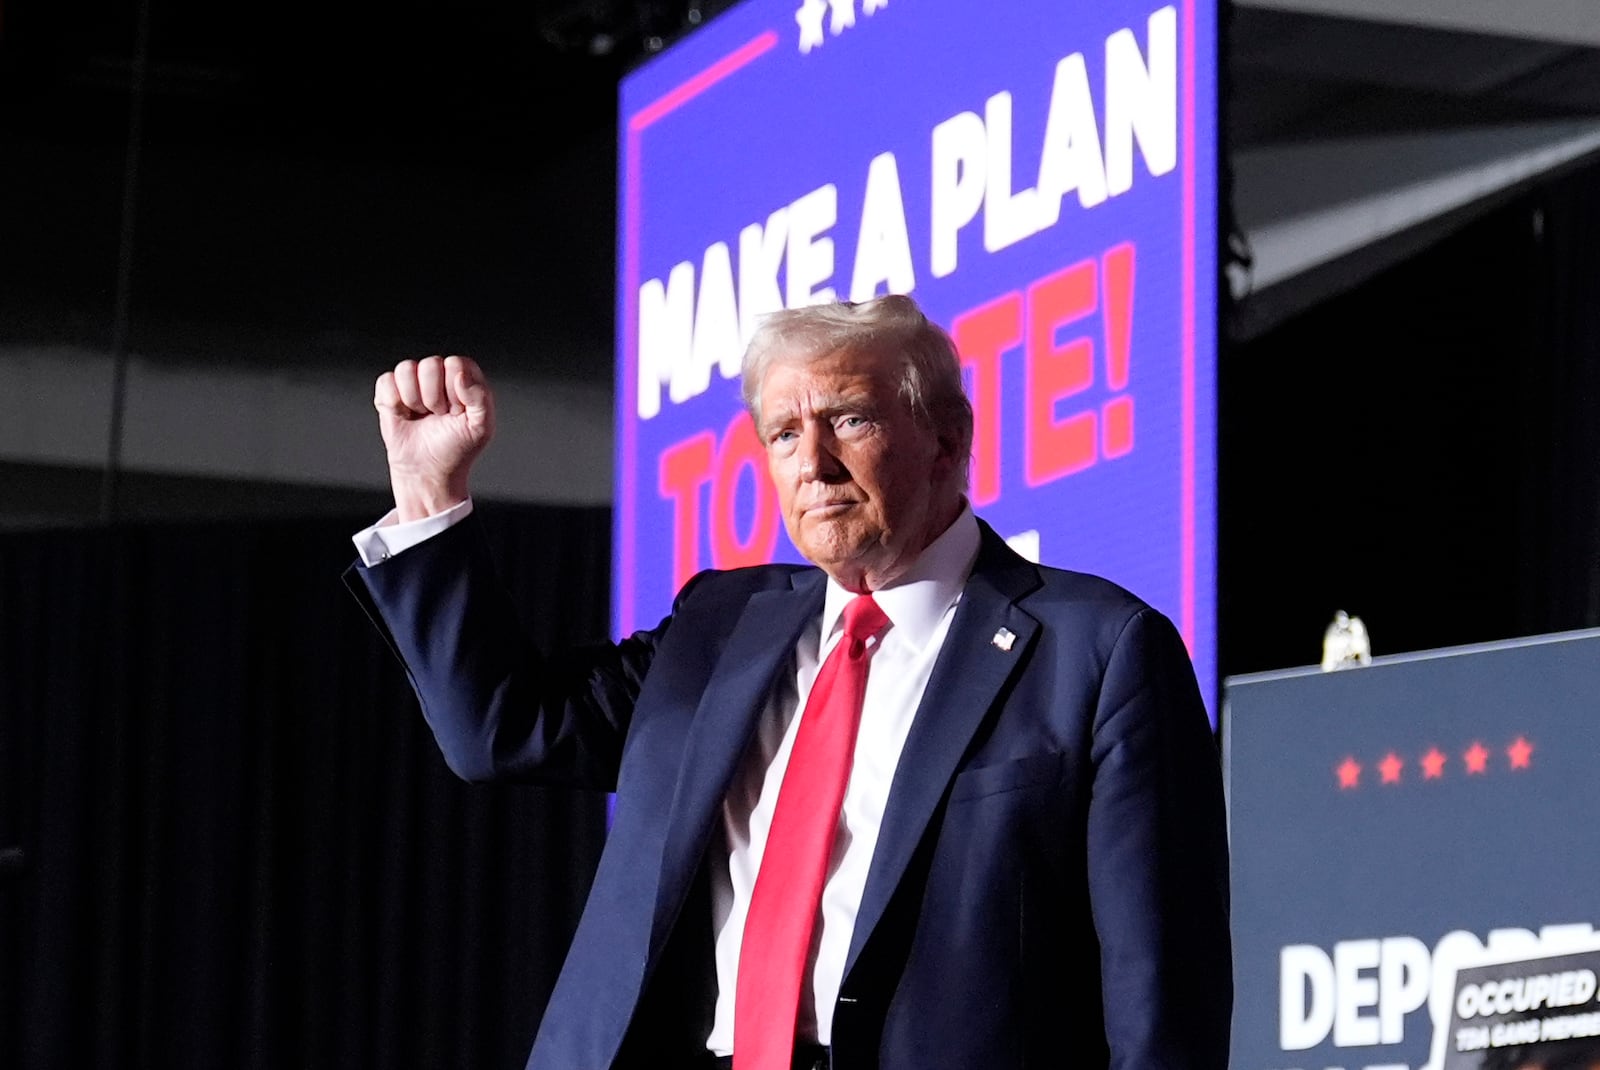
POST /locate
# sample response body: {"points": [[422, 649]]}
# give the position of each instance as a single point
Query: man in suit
{"points": [[989, 788]]}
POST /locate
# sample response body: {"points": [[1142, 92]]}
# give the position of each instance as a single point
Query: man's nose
{"points": [[817, 459]]}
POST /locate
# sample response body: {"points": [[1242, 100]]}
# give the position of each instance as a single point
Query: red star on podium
{"points": [[1520, 753], [1349, 772], [1477, 758], [1433, 764], [1390, 767]]}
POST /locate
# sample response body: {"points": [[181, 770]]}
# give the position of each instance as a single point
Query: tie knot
{"points": [[863, 619]]}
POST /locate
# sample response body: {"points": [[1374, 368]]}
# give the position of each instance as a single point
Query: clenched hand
{"points": [[436, 415]]}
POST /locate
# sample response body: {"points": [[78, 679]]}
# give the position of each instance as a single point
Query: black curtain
{"points": [[1423, 450], [241, 848], [1559, 534]]}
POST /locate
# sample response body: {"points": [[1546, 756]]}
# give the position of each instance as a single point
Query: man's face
{"points": [[864, 488]]}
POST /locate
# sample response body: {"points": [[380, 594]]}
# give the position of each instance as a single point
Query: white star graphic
{"points": [[844, 15], [869, 6], [810, 19]]}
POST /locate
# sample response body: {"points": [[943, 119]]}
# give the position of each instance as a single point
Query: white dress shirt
{"points": [[919, 605], [389, 537]]}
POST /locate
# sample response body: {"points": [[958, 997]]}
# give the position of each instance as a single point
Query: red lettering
{"points": [[684, 467], [742, 449], [1116, 422], [1117, 270], [1116, 415], [1057, 448], [981, 336]]}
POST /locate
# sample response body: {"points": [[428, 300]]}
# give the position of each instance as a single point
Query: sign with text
{"points": [[1414, 867], [1040, 176], [1540, 1012]]}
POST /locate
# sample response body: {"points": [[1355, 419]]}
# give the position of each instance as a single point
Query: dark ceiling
{"points": [[362, 180], [1302, 77]]}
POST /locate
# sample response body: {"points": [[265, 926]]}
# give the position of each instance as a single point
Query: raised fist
{"points": [[436, 415]]}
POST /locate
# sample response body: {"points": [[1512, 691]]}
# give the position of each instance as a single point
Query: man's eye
{"points": [[852, 421]]}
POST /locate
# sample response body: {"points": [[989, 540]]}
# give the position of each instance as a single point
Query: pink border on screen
{"points": [[662, 106], [1186, 564]]}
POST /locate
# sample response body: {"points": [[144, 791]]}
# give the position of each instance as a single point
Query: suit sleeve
{"points": [[498, 707], [1157, 858]]}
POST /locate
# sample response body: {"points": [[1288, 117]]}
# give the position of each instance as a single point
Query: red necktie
{"points": [[788, 891]]}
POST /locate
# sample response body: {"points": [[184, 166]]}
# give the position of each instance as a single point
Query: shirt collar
{"points": [[916, 602]]}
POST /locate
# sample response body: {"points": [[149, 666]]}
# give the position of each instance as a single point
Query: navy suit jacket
{"points": [[1049, 887]]}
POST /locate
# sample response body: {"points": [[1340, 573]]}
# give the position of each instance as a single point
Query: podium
{"points": [[1396, 825]]}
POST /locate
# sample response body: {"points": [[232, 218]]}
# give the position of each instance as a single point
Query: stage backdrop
{"points": [[1041, 176]]}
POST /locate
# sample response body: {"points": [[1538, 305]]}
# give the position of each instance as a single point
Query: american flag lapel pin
{"points": [[1004, 638]]}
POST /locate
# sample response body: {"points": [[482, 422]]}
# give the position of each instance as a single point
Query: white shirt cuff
{"points": [[388, 536]]}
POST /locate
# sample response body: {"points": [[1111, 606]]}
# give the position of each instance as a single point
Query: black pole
{"points": [[119, 323]]}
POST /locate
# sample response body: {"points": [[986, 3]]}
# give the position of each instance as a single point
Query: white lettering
{"points": [[960, 153], [1453, 949], [1583, 988], [1142, 101], [1323, 994], [760, 255], [1304, 970], [666, 325], [883, 251], [1507, 1033], [716, 321], [1025, 543], [810, 262], [1569, 1026], [1350, 1027], [1404, 980], [1522, 994], [1071, 158], [1007, 217]]}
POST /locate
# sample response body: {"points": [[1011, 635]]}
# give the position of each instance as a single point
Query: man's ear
{"points": [[947, 460]]}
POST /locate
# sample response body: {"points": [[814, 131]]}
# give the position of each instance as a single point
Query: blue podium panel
{"points": [[1393, 825]]}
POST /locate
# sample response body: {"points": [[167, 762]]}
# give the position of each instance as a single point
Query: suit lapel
{"points": [[967, 678], [760, 644]]}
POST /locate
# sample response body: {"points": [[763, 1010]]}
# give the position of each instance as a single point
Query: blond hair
{"points": [[930, 371]]}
